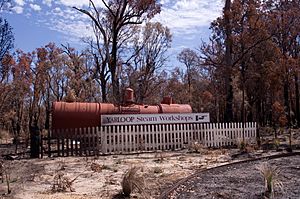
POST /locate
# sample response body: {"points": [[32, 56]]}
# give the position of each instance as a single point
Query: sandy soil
{"points": [[34, 178]]}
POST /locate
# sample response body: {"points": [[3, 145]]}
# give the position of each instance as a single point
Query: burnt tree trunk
{"points": [[286, 100], [34, 141], [297, 112], [113, 62], [228, 62]]}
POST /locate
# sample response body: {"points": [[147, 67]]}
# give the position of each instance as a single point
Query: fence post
{"points": [[103, 138], [48, 142], [67, 142], [76, 141], [41, 145]]}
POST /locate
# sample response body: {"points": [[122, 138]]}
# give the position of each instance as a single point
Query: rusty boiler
{"points": [[67, 115]]}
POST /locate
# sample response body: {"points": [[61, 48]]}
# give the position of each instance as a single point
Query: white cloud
{"points": [[57, 9], [78, 3], [20, 2], [164, 2], [73, 24], [76, 30], [186, 16], [35, 7], [47, 2], [18, 9]]}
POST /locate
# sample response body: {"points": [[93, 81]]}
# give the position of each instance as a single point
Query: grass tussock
{"points": [[96, 167], [271, 175], [245, 146], [241, 144], [196, 147], [62, 183], [133, 181]]}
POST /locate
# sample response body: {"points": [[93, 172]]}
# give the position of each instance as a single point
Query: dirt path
{"points": [[241, 181]]}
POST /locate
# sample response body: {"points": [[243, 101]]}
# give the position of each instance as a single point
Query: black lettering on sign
{"points": [[109, 120], [126, 119], [198, 117]]}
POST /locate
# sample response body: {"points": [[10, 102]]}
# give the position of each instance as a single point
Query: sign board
{"points": [[134, 119]]}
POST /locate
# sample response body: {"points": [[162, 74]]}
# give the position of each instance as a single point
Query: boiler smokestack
{"points": [[167, 100], [128, 95]]}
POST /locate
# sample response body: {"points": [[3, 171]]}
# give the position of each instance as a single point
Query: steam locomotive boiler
{"points": [[79, 115], [68, 115]]}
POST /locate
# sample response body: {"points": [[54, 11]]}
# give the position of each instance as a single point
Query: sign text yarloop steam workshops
{"points": [[154, 119]]}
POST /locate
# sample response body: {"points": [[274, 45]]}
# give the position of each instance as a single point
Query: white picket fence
{"points": [[137, 138]]}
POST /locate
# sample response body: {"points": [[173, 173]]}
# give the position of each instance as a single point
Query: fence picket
{"points": [[181, 135], [188, 135], [132, 138], [207, 126], [162, 136]]}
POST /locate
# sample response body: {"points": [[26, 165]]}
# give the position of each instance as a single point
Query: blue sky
{"points": [[38, 22]]}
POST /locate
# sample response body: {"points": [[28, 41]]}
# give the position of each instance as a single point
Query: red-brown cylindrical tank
{"points": [[168, 106], [175, 108], [106, 108], [75, 115], [79, 114], [147, 109]]}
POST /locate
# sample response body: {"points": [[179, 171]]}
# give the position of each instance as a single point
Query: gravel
{"points": [[241, 181]]}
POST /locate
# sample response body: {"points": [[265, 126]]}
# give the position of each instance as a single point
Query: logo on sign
{"points": [[200, 117]]}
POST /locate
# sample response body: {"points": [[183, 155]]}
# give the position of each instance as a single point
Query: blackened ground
{"points": [[241, 181]]}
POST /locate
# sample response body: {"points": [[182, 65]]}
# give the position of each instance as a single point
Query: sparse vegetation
{"points": [[5, 174], [277, 143], [290, 140], [119, 161], [242, 144], [196, 147], [157, 170], [62, 165], [182, 158], [131, 181], [106, 167], [61, 183], [271, 175], [1, 171], [96, 167], [161, 157], [4, 136], [107, 184]]}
